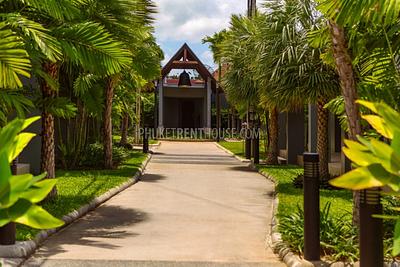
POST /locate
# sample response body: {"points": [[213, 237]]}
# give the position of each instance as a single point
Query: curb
{"points": [[232, 154], [26, 248]]}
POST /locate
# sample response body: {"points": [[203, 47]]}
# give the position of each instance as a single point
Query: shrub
{"points": [[338, 236], [94, 156]]}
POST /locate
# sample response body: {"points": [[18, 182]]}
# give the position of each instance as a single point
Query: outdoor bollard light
{"points": [[256, 144], [312, 249], [248, 144], [8, 232], [371, 229], [145, 142]]}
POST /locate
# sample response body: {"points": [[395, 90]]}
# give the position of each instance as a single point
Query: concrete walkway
{"points": [[195, 206]]}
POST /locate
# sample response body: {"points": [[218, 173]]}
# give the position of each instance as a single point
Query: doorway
{"points": [[188, 113]]}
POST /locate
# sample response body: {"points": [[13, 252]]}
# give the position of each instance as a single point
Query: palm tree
{"points": [[353, 16], [215, 42], [299, 76], [129, 25], [240, 82], [80, 43]]}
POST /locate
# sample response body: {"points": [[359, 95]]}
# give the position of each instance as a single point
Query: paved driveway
{"points": [[195, 206]]}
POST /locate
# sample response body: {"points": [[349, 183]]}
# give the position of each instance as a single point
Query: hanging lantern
{"points": [[184, 80]]}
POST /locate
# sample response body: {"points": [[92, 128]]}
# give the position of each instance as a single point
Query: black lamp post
{"points": [[248, 137], [145, 141], [371, 229], [312, 248], [255, 142]]}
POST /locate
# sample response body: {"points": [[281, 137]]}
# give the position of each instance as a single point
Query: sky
{"points": [[180, 21]]}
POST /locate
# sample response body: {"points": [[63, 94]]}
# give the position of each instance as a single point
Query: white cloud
{"points": [[191, 20]]}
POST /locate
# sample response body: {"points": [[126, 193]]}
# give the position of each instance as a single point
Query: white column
{"points": [[209, 94], [160, 104]]}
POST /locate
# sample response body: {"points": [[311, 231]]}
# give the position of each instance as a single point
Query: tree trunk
{"points": [[48, 129], [273, 123], [349, 90], [138, 116], [124, 130], [107, 124], [323, 141], [234, 120]]}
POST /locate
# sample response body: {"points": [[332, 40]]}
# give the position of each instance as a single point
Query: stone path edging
{"points": [[27, 248], [232, 154]]}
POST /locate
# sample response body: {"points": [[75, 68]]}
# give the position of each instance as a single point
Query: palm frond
{"points": [[14, 60], [14, 101], [34, 34], [92, 47]]}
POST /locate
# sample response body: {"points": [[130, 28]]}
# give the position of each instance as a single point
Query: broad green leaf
{"points": [[390, 116], [362, 178], [385, 155], [8, 133], [28, 122], [21, 141], [358, 153], [5, 174], [379, 125], [396, 242], [18, 184], [38, 178], [37, 217], [18, 209], [371, 106], [39, 191], [396, 141]]}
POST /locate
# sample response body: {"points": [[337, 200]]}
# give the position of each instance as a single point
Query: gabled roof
{"points": [[185, 58]]}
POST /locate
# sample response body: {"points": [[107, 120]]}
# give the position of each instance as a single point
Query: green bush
{"points": [[338, 236], [94, 156]]}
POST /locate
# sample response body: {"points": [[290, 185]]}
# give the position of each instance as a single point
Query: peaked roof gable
{"points": [[185, 58]]}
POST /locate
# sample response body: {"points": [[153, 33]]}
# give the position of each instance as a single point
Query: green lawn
{"points": [[290, 197], [238, 148], [77, 188]]}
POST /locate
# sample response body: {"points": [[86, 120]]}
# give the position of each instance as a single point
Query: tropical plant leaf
{"points": [[39, 191], [92, 47], [35, 34], [24, 212], [362, 178], [14, 60]]}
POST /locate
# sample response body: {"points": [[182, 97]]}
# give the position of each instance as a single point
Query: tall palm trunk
{"points": [[124, 129], [107, 124], [323, 140], [349, 90], [138, 116], [273, 125], [347, 78], [48, 128]]}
